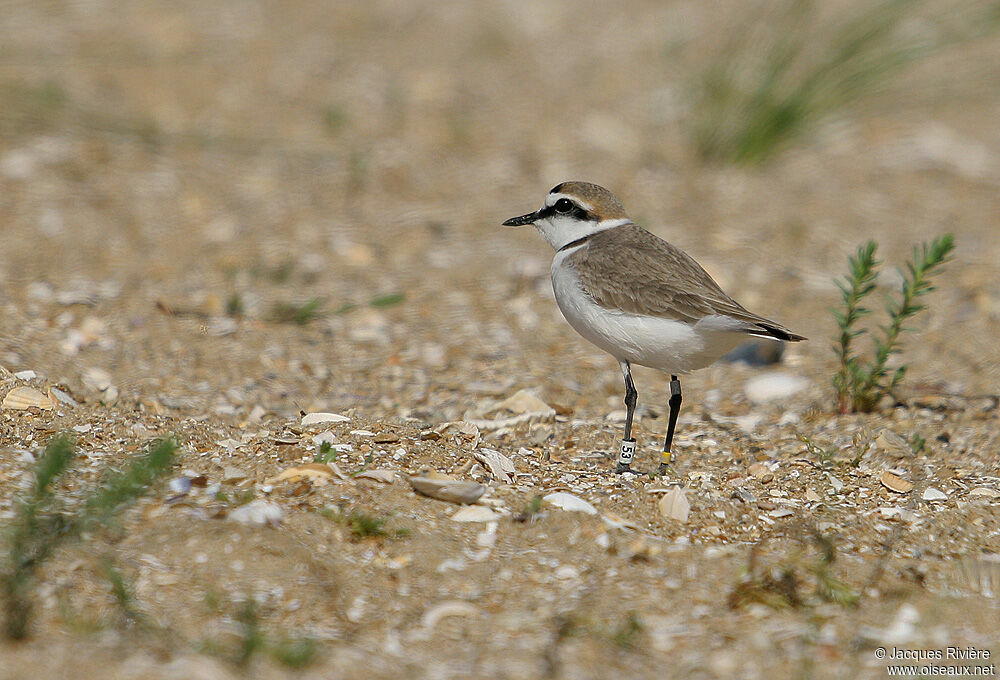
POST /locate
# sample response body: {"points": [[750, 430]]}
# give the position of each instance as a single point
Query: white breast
{"points": [[665, 344]]}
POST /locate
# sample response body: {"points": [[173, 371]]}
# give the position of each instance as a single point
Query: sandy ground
{"points": [[172, 174]]}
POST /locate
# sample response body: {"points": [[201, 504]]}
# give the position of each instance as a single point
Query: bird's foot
{"points": [[666, 470], [626, 452]]}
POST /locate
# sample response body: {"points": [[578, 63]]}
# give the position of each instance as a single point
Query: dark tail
{"points": [[772, 330]]}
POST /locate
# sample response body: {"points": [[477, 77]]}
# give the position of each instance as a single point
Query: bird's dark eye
{"points": [[564, 205]]}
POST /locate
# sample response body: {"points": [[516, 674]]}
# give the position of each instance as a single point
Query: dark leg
{"points": [[627, 451], [675, 409]]}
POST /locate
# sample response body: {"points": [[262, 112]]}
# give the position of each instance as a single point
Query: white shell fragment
{"points": [[567, 501], [257, 514], [319, 418], [932, 494], [21, 398], [384, 476], [451, 490], [675, 505], [500, 465], [475, 513]]}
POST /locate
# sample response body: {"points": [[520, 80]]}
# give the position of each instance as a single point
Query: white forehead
{"points": [[551, 199]]}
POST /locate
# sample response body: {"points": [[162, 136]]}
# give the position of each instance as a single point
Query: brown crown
{"points": [[604, 204]]}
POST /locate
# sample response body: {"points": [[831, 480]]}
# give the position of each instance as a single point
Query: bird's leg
{"points": [[627, 451], [675, 409]]}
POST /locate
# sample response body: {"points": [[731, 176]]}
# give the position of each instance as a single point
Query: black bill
{"points": [[522, 220]]}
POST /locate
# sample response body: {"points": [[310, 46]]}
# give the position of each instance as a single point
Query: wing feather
{"points": [[631, 269]]}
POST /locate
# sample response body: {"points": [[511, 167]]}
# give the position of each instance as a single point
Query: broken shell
{"points": [[500, 465], [319, 418], [21, 398], [312, 472], [895, 483], [451, 490], [567, 501], [675, 505], [932, 494], [384, 476]]}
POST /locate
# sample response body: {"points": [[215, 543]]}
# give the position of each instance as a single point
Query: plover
{"points": [[637, 297]]}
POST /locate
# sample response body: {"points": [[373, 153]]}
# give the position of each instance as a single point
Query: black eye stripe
{"points": [[577, 212]]}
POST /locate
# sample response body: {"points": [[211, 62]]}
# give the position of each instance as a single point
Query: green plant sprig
{"points": [[861, 383], [43, 523]]}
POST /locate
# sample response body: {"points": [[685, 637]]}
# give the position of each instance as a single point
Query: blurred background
{"points": [[301, 200], [215, 215]]}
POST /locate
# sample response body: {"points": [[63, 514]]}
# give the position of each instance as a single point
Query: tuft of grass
{"points": [[861, 383], [387, 300], [43, 522], [776, 588], [294, 652], [301, 314], [129, 610], [364, 466], [379, 301], [828, 587], [780, 587], [251, 636], [861, 443], [627, 633], [122, 488], [825, 456], [234, 305], [530, 510], [363, 525], [325, 453], [33, 535], [785, 70], [334, 119]]}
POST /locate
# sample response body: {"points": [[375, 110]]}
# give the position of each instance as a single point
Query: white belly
{"points": [[668, 345]]}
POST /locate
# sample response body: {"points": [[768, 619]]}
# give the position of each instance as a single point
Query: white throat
{"points": [[560, 230]]}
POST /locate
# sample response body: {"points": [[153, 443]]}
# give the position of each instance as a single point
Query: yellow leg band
{"points": [[665, 458]]}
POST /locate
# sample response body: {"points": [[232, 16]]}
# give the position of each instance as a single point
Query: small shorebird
{"points": [[637, 297]]}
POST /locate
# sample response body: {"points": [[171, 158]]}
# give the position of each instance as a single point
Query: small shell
{"points": [[932, 494], [384, 476], [451, 490], [895, 482], [675, 505], [320, 418], [312, 472], [21, 398], [569, 502]]}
